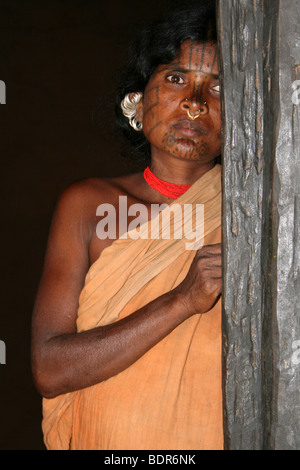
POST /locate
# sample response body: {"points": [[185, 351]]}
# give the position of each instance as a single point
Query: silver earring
{"points": [[129, 107]]}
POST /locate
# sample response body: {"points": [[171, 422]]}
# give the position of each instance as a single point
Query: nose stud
{"points": [[197, 112]]}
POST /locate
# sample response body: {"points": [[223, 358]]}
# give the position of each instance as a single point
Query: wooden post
{"points": [[259, 64]]}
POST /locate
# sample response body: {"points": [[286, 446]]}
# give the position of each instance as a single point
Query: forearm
{"points": [[74, 361]]}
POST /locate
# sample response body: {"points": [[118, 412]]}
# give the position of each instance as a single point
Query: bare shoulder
{"points": [[90, 192], [76, 213]]}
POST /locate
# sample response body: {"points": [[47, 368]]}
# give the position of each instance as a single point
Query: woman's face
{"points": [[181, 106]]}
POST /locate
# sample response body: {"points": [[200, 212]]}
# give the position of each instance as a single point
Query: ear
{"points": [[140, 109]]}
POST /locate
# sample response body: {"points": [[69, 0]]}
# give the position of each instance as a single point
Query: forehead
{"points": [[196, 57]]}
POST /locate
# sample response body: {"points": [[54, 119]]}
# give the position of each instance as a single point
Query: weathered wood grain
{"points": [[259, 61]]}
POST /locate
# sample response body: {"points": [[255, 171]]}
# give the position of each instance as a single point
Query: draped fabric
{"points": [[170, 398]]}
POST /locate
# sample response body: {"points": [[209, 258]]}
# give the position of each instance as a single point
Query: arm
{"points": [[64, 360]]}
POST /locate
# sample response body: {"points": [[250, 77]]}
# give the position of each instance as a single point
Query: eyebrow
{"points": [[178, 68]]}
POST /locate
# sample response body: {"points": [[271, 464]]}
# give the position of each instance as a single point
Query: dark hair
{"points": [[158, 43]]}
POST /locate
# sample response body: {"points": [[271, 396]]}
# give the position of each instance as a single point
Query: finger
{"points": [[212, 274], [210, 265], [209, 257], [210, 249]]}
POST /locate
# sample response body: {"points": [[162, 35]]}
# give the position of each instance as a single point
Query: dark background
{"points": [[60, 61]]}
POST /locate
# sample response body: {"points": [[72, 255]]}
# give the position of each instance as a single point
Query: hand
{"points": [[202, 286]]}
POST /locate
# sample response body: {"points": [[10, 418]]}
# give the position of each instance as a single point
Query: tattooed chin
{"points": [[189, 149]]}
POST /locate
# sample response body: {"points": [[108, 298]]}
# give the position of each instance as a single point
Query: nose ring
{"points": [[195, 116], [199, 111]]}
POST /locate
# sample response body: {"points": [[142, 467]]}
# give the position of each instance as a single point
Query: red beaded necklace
{"points": [[166, 189]]}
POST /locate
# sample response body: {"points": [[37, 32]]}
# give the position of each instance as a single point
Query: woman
{"points": [[137, 364]]}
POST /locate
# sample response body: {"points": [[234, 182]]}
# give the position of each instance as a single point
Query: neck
{"points": [[179, 172]]}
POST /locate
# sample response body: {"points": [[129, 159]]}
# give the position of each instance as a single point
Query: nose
{"points": [[194, 108]]}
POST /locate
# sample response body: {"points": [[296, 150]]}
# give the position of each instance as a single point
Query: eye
{"points": [[175, 79], [216, 88]]}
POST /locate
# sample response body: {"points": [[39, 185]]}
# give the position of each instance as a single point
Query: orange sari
{"points": [[171, 398]]}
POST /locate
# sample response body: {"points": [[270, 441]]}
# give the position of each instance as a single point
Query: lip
{"points": [[189, 128]]}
